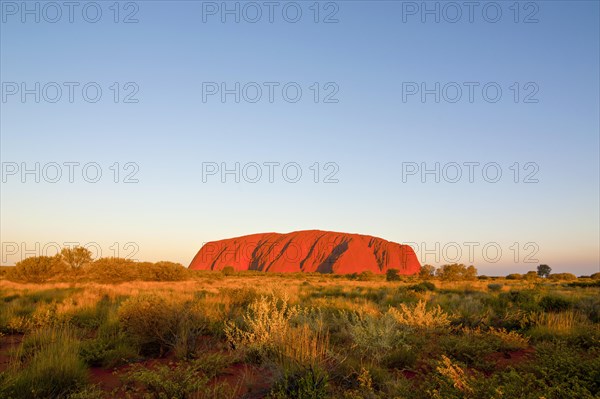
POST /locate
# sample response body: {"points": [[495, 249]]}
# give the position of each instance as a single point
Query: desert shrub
{"points": [[54, 370], [265, 326], [495, 287], [456, 271], [160, 271], [212, 364], [367, 275], [403, 357], [562, 276], [427, 272], [10, 298], [554, 303], [531, 276], [40, 339], [111, 270], [373, 336], [170, 381], [308, 383], [470, 347], [106, 353], [266, 321], [595, 276], [392, 275], [514, 276], [157, 324], [36, 269], [228, 271], [423, 287], [116, 270], [585, 284], [523, 299], [109, 348], [419, 317], [88, 392], [590, 306], [451, 381]]}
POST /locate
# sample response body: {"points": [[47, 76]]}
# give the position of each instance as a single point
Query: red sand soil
{"points": [[307, 251], [506, 359], [7, 343]]}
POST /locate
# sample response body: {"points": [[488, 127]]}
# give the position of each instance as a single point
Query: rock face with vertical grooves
{"points": [[307, 251]]}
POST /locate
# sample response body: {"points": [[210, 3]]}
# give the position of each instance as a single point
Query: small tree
{"points": [[457, 271], [76, 257], [470, 273], [544, 270], [228, 271], [426, 272], [531, 276], [36, 269], [392, 275]]}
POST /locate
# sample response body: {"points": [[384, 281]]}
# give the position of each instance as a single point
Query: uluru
{"points": [[307, 251]]}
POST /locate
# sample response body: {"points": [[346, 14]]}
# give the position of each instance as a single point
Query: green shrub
{"points": [[171, 381], [107, 351], [423, 287], [554, 303], [308, 383], [392, 275], [54, 370], [400, 358], [228, 271], [495, 287], [157, 324], [562, 276], [373, 336], [514, 276], [36, 269], [366, 276], [456, 271]]}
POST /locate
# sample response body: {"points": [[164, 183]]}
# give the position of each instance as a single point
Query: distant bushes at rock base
{"points": [[41, 269]]}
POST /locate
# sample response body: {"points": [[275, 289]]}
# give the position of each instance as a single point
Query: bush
{"points": [[374, 336], [595, 276], [367, 275], [553, 303], [531, 276], [168, 381], [455, 271], [228, 271], [400, 358], [116, 270], [157, 324], [54, 371], [562, 276], [495, 287], [111, 270], [160, 271], [418, 316], [309, 383], [426, 272], [392, 275], [36, 269], [423, 287], [514, 276]]}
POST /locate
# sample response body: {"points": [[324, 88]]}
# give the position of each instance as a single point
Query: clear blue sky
{"points": [[369, 54]]}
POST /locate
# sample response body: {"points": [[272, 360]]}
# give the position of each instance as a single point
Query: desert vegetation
{"points": [[71, 327]]}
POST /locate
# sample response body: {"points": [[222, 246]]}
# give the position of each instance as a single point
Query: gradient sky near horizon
{"points": [[373, 54]]}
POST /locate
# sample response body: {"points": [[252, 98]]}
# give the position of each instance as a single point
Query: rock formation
{"points": [[307, 251]]}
